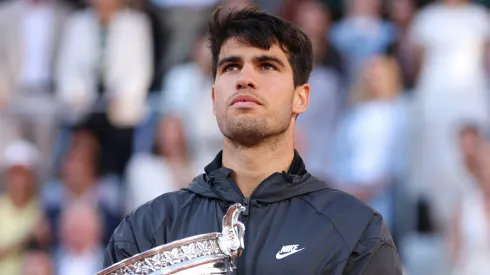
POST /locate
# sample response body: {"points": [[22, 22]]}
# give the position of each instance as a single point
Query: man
{"points": [[456, 70], [31, 32], [261, 66], [19, 205], [104, 86]]}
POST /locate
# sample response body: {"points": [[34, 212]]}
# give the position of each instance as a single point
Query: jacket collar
{"points": [[217, 183], [297, 166]]}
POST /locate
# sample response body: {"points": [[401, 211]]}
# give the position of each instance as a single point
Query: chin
{"points": [[245, 115]]}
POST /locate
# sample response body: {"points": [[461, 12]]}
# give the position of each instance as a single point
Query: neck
{"points": [[20, 201], [251, 166], [403, 26], [472, 166], [456, 3], [176, 159], [363, 14], [83, 188], [105, 16]]}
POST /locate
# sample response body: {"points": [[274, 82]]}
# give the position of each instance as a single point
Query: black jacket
{"points": [[337, 233]]}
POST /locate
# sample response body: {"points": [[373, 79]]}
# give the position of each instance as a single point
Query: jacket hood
{"points": [[217, 183]]}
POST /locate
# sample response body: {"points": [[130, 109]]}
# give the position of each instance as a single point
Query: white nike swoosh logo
{"points": [[280, 256]]}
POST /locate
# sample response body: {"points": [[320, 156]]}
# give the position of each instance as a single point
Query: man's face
{"points": [[453, 2], [37, 263], [254, 97], [469, 142], [20, 183], [106, 5]]}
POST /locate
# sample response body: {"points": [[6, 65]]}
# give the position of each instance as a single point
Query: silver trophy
{"points": [[212, 253]]}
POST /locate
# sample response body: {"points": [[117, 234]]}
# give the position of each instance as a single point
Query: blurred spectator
{"points": [[315, 127], [80, 182], [401, 13], [361, 34], [470, 234], [20, 209], [272, 6], [37, 261], [166, 169], [183, 18], [187, 94], [80, 251], [236, 4], [451, 38], [329, 56], [370, 137], [31, 31], [160, 37], [287, 11], [104, 73]]}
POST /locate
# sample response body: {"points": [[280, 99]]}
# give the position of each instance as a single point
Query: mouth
{"points": [[244, 101]]}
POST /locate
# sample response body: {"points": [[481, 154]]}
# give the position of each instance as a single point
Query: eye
{"points": [[268, 67], [231, 67]]}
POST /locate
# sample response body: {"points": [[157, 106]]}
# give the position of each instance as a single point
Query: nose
{"points": [[246, 79]]}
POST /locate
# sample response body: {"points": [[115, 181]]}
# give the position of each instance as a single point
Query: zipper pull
{"points": [[246, 202]]}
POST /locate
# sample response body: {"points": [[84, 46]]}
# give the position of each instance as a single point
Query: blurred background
{"points": [[105, 104]]}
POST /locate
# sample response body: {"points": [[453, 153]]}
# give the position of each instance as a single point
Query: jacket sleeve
{"points": [[375, 253], [122, 244]]}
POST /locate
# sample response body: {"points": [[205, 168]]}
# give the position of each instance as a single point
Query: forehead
{"points": [[233, 47]]}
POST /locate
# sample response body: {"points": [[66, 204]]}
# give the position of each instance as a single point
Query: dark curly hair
{"points": [[257, 28]]}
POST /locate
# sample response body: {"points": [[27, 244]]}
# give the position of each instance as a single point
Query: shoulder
{"points": [[338, 33], [51, 194], [363, 230], [63, 9], [132, 18], [3, 201], [10, 12], [79, 20], [430, 9], [350, 216], [354, 220], [477, 7], [144, 160], [479, 11], [427, 13], [10, 7], [145, 220], [375, 252], [139, 229]]}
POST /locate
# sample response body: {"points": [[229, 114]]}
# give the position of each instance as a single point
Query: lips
{"points": [[245, 99]]}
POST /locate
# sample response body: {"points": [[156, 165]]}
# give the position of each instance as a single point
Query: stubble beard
{"points": [[250, 132]]}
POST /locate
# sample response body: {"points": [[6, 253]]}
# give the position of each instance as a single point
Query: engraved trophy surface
{"points": [[212, 253]]}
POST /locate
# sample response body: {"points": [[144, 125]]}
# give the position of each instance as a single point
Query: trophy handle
{"points": [[231, 240], [211, 253]]}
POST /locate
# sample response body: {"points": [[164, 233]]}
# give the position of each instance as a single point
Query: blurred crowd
{"points": [[106, 104]]}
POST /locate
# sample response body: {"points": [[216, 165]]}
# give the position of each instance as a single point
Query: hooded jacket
{"points": [[295, 224]]}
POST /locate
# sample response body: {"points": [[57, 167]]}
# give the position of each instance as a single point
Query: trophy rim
{"points": [[192, 263], [152, 252]]}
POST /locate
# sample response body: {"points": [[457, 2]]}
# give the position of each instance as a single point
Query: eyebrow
{"points": [[230, 59], [257, 59], [269, 58]]}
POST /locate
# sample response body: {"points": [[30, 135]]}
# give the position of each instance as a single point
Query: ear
{"points": [[214, 101], [301, 99]]}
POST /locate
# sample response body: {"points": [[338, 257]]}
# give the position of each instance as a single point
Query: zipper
{"points": [[246, 215]]}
